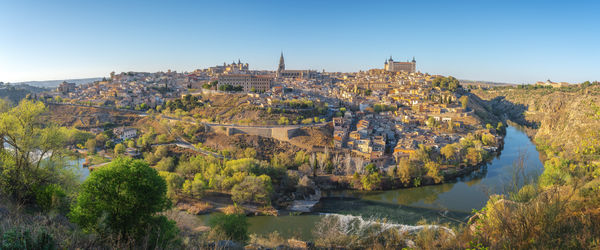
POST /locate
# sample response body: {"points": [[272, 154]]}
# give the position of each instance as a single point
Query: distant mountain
{"points": [[485, 83], [55, 83]]}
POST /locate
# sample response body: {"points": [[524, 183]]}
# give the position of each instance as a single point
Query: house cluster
{"points": [[126, 90]]}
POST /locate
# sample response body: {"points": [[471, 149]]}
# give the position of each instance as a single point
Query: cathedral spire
{"points": [[281, 63]]}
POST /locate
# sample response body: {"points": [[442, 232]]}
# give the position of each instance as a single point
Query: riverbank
{"points": [[448, 202]]}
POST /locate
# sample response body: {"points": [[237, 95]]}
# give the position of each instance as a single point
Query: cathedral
{"points": [[293, 74]]}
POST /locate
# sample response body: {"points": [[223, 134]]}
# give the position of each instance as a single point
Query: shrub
{"points": [[120, 199], [50, 197], [17, 238], [232, 226]]}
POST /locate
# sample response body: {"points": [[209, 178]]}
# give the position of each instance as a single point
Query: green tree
{"points": [[253, 189], [166, 164], [119, 149], [464, 101], [233, 226], [131, 144], [122, 198], [371, 181], [250, 153], [195, 187], [90, 144], [174, 183], [30, 161]]}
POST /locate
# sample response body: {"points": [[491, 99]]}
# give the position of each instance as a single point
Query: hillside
{"points": [[565, 119]]}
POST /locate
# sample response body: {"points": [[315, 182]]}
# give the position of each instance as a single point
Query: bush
{"points": [[252, 189], [233, 226], [50, 197], [17, 238], [120, 199]]}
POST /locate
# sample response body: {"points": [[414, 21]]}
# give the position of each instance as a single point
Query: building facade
{"points": [[392, 66], [249, 82]]}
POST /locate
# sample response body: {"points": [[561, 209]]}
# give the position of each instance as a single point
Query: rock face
{"points": [[559, 118]]}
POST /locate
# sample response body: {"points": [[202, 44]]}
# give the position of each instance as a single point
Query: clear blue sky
{"points": [[506, 41]]}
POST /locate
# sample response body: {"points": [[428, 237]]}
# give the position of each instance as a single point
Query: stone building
{"points": [[392, 66], [249, 82]]}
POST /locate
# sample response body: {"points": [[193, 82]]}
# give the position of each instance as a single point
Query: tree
{"points": [[253, 189], [131, 144], [119, 149], [404, 171], [371, 181], [122, 198], [500, 127], [433, 171], [234, 226], [464, 100], [166, 164], [474, 156], [195, 187], [30, 161], [174, 183], [449, 151], [90, 144], [281, 160], [250, 153]]}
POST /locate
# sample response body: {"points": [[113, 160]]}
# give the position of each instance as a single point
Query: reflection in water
{"points": [[447, 202], [472, 191]]}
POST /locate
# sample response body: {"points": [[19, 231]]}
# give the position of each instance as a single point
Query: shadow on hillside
{"points": [[508, 110]]}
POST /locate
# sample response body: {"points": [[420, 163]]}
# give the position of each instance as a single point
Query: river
{"points": [[448, 202]]}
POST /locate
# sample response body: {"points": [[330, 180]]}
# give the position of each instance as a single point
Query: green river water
{"points": [[448, 202]]}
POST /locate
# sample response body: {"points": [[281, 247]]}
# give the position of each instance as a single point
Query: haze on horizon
{"points": [[503, 41]]}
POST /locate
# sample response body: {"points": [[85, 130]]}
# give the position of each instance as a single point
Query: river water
{"points": [[448, 202]]}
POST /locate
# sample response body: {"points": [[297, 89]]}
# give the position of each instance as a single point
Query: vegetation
{"points": [[450, 83], [227, 87], [33, 159], [230, 226], [186, 103], [123, 199]]}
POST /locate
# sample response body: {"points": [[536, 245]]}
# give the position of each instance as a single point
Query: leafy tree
{"points": [[121, 198], [119, 149], [405, 171], [195, 187], [464, 101], [166, 164], [234, 226], [90, 144], [433, 171], [474, 156], [30, 161], [174, 183], [281, 160], [131, 144], [371, 181], [252, 189], [449, 151], [250, 153]]}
